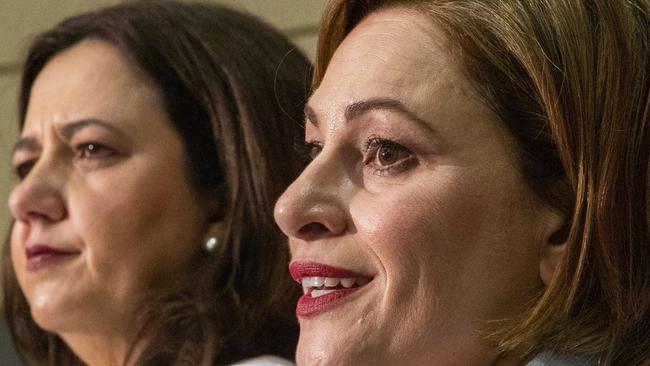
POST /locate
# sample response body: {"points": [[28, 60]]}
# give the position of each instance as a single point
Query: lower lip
{"points": [[311, 306], [41, 261]]}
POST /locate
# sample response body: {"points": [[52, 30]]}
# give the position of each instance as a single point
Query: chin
{"points": [[327, 357], [320, 348], [47, 319], [58, 316]]}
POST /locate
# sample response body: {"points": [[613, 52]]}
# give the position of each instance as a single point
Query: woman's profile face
{"points": [[412, 226], [103, 209]]}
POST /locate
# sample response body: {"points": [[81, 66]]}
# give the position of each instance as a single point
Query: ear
{"points": [[553, 246], [213, 204]]}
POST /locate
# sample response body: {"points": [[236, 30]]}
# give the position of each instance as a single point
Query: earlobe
{"points": [[212, 237], [554, 248]]}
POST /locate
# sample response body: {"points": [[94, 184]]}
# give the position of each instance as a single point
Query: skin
{"points": [[440, 216], [124, 206]]}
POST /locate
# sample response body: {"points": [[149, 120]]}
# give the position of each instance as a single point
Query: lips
{"points": [[324, 287], [40, 256]]}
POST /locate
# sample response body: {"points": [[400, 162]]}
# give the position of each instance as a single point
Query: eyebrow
{"points": [[360, 108], [25, 143], [67, 131]]}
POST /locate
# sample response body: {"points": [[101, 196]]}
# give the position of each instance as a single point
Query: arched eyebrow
{"points": [[360, 108], [26, 143], [69, 129]]}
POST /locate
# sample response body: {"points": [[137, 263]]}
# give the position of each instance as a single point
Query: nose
{"points": [[38, 197], [315, 205]]}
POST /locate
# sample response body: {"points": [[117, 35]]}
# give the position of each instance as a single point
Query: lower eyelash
{"points": [[306, 149], [395, 168]]}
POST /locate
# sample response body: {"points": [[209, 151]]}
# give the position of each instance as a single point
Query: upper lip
{"points": [[299, 270], [34, 250]]}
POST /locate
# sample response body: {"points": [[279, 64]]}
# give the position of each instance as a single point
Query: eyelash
{"points": [[308, 150], [376, 145], [92, 151], [373, 146], [86, 151], [21, 170]]}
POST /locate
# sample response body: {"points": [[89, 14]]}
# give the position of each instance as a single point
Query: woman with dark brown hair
{"points": [[155, 139], [479, 188]]}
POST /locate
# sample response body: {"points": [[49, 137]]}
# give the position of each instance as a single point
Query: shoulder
{"points": [[264, 361], [553, 359]]}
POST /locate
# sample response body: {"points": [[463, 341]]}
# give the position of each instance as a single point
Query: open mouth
{"points": [[324, 287], [320, 286]]}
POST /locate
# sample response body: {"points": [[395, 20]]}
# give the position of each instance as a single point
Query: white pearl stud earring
{"points": [[211, 243]]}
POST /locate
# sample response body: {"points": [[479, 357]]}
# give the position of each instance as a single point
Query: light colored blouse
{"points": [[553, 359], [264, 361], [543, 359]]}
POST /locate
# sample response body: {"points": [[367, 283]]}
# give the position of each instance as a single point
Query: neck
{"points": [[101, 349]]}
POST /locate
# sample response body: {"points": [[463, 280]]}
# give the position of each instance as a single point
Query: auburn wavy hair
{"points": [[571, 81]]}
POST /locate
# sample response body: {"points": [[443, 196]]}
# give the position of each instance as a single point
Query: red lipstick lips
{"points": [[39, 256], [325, 287]]}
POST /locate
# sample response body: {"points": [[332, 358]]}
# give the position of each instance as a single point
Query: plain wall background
{"points": [[21, 20]]}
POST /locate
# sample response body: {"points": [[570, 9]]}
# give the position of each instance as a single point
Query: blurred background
{"points": [[21, 20]]}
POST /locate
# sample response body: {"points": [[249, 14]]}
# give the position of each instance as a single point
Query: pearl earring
{"points": [[211, 243]]}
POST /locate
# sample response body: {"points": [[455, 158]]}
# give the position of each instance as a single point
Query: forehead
{"points": [[92, 78], [394, 52]]}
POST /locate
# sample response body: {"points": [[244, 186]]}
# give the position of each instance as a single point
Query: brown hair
{"points": [[234, 89], [571, 80]]}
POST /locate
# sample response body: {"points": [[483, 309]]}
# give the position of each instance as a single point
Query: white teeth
{"points": [[313, 281], [318, 293], [347, 282], [333, 282]]}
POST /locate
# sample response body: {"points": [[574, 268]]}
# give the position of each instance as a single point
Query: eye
{"points": [[386, 156], [93, 150], [22, 169], [309, 150]]}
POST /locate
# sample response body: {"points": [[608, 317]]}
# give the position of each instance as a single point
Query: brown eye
{"points": [[309, 150], [23, 169], [385, 153], [93, 150], [389, 155]]}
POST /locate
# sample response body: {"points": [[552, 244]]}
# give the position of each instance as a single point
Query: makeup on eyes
{"points": [[386, 157]]}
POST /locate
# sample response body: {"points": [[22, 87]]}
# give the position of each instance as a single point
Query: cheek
{"points": [[415, 223], [17, 239], [450, 234], [135, 231]]}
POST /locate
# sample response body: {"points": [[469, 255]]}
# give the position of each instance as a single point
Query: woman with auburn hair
{"points": [[155, 138], [478, 193]]}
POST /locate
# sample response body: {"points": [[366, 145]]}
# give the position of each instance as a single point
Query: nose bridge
{"points": [[40, 194], [319, 196]]}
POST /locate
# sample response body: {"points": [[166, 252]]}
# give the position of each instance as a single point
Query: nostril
{"points": [[312, 231]]}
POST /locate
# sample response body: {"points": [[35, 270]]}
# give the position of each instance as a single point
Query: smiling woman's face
{"points": [[413, 212], [103, 209]]}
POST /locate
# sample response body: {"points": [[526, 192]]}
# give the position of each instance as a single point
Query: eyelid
{"points": [[98, 150], [20, 158], [372, 146], [306, 149], [19, 168]]}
